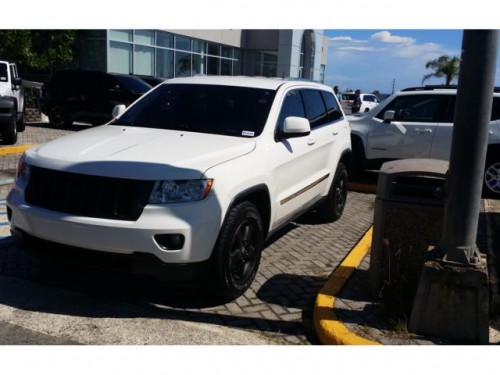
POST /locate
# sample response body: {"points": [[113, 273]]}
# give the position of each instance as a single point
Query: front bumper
{"points": [[199, 223]]}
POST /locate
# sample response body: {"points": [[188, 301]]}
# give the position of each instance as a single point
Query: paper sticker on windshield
{"points": [[247, 133]]}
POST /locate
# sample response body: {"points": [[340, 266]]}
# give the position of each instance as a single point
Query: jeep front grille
{"points": [[87, 195]]}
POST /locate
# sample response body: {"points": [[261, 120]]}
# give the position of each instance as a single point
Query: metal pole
{"points": [[469, 146]]}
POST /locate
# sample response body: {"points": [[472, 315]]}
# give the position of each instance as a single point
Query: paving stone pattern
{"points": [[295, 264]]}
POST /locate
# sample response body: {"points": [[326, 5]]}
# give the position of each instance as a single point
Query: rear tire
{"points": [[21, 123], [237, 252], [333, 207]]}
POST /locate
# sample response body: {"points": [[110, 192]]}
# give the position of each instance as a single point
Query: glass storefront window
{"points": [[144, 60], [238, 62], [199, 46], [213, 66], [164, 40], [266, 64], [213, 49], [164, 63], [162, 54], [182, 64], [225, 67], [199, 64], [121, 35], [226, 52], [120, 57], [144, 37], [182, 43]]}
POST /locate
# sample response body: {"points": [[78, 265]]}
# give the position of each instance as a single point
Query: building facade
{"points": [[178, 53]]}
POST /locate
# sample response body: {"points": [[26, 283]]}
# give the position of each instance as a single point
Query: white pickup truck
{"points": [[11, 103]]}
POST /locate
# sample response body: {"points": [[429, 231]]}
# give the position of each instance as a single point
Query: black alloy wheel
{"points": [[238, 251]]}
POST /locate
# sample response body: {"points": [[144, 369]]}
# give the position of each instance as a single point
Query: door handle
{"points": [[311, 141], [335, 133], [423, 131]]}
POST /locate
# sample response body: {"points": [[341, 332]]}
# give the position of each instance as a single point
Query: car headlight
{"points": [[175, 191], [23, 171]]}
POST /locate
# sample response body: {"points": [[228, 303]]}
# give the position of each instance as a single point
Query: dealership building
{"points": [[176, 53]]}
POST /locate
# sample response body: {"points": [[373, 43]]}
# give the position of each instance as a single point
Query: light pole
{"points": [[469, 144]]}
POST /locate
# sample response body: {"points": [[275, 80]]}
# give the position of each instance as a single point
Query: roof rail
{"points": [[438, 87], [430, 87]]}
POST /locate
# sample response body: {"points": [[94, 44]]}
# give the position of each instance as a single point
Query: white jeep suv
{"points": [[191, 179], [418, 123], [12, 118]]}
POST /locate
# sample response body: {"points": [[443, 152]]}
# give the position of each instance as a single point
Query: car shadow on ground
{"points": [[40, 285]]}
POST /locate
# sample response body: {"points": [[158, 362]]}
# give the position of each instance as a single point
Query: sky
{"points": [[379, 59]]}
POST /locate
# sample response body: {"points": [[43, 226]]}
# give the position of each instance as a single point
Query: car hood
{"points": [[138, 153]]}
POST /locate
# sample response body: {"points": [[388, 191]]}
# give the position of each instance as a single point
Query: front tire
{"points": [[491, 180], [237, 252], [333, 207]]}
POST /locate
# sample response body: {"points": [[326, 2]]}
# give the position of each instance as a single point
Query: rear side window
{"points": [[332, 107], [315, 108]]}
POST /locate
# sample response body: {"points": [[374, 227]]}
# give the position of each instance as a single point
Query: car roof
{"points": [[245, 81]]}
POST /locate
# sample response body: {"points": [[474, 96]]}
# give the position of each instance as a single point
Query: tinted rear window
{"points": [[225, 110], [133, 84]]}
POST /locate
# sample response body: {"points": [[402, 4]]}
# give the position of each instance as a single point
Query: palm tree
{"points": [[443, 66]]}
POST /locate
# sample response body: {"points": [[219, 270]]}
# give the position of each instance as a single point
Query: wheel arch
{"points": [[260, 197], [358, 159], [493, 150], [9, 101]]}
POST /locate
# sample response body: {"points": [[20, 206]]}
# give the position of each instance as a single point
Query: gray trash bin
{"points": [[408, 222]]}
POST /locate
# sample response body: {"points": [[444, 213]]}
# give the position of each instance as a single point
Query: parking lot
{"points": [[61, 303]]}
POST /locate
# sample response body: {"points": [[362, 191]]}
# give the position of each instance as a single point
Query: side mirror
{"points": [[294, 127], [118, 110], [389, 116]]}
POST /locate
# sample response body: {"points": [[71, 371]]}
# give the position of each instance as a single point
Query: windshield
{"points": [[216, 109]]}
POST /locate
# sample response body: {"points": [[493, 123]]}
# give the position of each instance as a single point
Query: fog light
{"points": [[170, 241]]}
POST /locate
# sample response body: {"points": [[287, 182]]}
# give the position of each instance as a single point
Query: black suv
{"points": [[87, 96]]}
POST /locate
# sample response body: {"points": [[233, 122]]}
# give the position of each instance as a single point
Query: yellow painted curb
{"points": [[14, 150], [330, 330]]}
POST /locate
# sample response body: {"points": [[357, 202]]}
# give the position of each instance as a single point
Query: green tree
{"points": [[37, 49], [443, 66]]}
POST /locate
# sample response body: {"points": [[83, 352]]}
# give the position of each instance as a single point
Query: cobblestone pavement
{"points": [[295, 264]]}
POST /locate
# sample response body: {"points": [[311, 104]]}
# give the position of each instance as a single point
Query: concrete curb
{"points": [[330, 330], [12, 150]]}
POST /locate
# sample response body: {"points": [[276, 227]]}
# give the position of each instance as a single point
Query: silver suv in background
{"points": [[418, 123]]}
